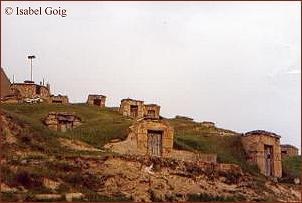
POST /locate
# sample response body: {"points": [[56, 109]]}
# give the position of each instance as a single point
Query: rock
{"points": [[297, 181], [115, 140], [275, 180], [48, 183], [6, 188], [47, 197], [23, 189], [73, 196], [24, 161]]}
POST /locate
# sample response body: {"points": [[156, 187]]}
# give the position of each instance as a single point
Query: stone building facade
{"points": [[289, 151], [137, 109], [263, 149], [62, 121], [132, 108], [151, 111], [29, 89], [97, 100], [147, 137], [59, 99]]}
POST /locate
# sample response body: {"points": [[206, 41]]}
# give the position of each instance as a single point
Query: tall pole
{"points": [[31, 69], [31, 57]]}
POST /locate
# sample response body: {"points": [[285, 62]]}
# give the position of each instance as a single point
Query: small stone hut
{"points": [[151, 111], [97, 100], [29, 89], [263, 149], [59, 99], [289, 151], [151, 137], [62, 121], [132, 108]]}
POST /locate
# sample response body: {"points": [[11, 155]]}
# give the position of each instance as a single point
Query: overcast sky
{"points": [[237, 64]]}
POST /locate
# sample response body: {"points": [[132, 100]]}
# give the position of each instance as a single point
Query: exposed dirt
{"points": [[165, 182], [135, 177], [77, 145]]}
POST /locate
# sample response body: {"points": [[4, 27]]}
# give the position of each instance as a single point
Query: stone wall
{"points": [[151, 111], [128, 104], [98, 100], [62, 121], [289, 151], [254, 144], [195, 157], [59, 99], [29, 90]]}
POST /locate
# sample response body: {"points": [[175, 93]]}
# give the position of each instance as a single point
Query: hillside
{"points": [[36, 161], [101, 126]]}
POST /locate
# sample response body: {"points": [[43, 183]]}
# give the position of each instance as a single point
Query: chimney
{"points": [[48, 86]]}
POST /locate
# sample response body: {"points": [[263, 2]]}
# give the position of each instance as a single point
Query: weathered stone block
{"points": [[62, 121]]}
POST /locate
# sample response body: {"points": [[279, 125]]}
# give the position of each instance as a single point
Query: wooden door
{"points": [[154, 143], [268, 160], [97, 102], [151, 113], [134, 110]]}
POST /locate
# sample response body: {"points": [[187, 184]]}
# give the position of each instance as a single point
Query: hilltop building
{"points": [[263, 149], [137, 109], [20, 91], [289, 151], [151, 111], [97, 100], [132, 108], [59, 99], [29, 89]]}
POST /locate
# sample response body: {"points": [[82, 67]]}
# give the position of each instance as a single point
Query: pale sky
{"points": [[234, 63]]}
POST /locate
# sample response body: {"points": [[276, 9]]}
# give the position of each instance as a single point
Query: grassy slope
{"points": [[37, 142], [193, 136], [99, 126]]}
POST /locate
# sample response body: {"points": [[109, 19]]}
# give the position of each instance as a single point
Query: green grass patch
{"points": [[99, 125], [291, 168], [192, 136]]}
